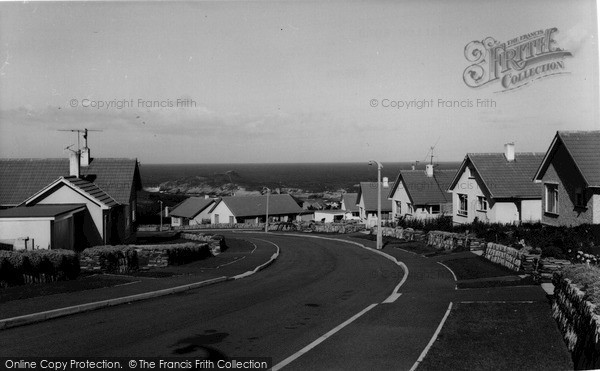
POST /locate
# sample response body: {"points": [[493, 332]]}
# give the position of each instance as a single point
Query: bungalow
{"points": [[69, 203], [497, 188], [252, 209], [570, 179], [192, 211], [349, 204], [419, 194], [366, 200]]}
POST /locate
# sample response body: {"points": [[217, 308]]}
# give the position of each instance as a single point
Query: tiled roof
{"points": [[350, 201], [93, 190], [21, 178], [424, 190], [503, 178], [242, 206], [584, 149], [368, 191], [191, 207], [39, 211]]}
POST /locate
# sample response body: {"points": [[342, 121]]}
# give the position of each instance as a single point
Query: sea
{"points": [[310, 177]]}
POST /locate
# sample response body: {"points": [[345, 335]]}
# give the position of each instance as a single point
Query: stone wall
{"points": [[216, 243], [504, 255], [407, 234], [452, 241], [334, 228], [578, 323]]}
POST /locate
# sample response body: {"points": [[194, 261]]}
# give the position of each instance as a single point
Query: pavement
{"points": [[238, 261]]}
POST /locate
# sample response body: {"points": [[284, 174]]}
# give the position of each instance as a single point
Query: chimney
{"points": [[509, 151], [412, 167], [74, 162], [85, 156], [385, 182], [429, 170]]}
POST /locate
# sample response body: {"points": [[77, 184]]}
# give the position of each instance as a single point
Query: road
{"points": [[314, 286]]}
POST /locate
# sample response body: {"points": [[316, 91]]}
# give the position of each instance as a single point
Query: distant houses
{"points": [[69, 203], [569, 179], [366, 201], [192, 211], [421, 194], [348, 203], [253, 209], [497, 188]]}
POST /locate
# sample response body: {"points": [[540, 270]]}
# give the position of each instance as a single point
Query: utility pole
{"points": [[379, 235]]}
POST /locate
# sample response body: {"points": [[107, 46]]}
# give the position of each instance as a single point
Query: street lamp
{"points": [[379, 167], [267, 212], [161, 214]]}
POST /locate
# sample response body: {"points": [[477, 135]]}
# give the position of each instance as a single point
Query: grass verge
{"points": [[60, 287], [499, 336], [477, 267]]}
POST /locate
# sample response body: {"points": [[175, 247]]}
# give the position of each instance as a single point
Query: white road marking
{"points": [[433, 338], [448, 268], [273, 257], [498, 302], [310, 346], [392, 298]]}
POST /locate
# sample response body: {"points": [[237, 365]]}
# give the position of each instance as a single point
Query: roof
{"points": [[584, 149], [424, 190], [368, 191], [22, 178], [242, 206], [191, 207], [350, 200], [502, 178], [40, 211]]}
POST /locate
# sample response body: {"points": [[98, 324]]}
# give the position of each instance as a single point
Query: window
{"points": [[552, 198], [580, 197], [231, 220], [462, 205], [409, 209], [398, 207], [435, 209], [482, 204]]}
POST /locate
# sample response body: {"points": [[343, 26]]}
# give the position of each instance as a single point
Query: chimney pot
{"points": [[429, 170], [509, 151], [85, 156], [74, 163]]}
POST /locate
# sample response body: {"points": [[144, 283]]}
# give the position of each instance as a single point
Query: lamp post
{"points": [[267, 212], [379, 167], [161, 214]]}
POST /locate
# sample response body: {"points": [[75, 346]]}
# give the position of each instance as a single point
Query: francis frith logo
{"points": [[514, 63]]}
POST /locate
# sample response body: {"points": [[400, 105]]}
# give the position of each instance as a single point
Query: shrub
{"points": [[37, 264]]}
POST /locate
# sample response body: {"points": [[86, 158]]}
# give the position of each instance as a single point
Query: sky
{"points": [[282, 81]]}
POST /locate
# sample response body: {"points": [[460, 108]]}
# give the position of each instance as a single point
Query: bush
{"points": [[38, 265]]}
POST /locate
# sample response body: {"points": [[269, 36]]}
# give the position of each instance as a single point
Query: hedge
{"points": [[30, 266]]}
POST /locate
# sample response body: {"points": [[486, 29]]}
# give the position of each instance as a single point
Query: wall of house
{"points": [[596, 207], [66, 195], [562, 170], [503, 212], [400, 196], [205, 214], [39, 230], [223, 213], [471, 187], [531, 211]]}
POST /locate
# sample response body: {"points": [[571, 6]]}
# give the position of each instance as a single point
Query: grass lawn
{"points": [[477, 267], [59, 287], [492, 336], [527, 281]]}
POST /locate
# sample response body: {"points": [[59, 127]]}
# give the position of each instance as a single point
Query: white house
{"points": [[367, 203], [421, 194], [497, 188], [331, 216], [570, 179], [253, 209], [192, 211], [54, 190]]}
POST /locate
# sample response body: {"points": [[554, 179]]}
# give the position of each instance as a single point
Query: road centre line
{"points": [[310, 346]]}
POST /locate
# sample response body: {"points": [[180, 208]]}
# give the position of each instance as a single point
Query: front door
{"points": [[216, 218]]}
